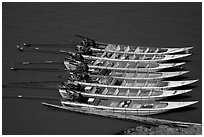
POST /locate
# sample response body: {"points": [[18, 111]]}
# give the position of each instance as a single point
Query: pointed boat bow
{"points": [[177, 56], [175, 50], [172, 84], [173, 74], [169, 65], [174, 105]]}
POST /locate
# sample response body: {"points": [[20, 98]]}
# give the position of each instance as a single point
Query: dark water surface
{"points": [[159, 24]]}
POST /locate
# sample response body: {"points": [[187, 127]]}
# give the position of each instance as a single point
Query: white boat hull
{"points": [[132, 111], [165, 94]]}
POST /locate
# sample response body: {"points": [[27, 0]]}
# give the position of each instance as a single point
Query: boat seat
{"points": [[110, 47], [132, 57], [127, 65], [122, 56], [131, 64], [113, 56], [137, 50], [110, 91], [146, 83], [137, 65], [147, 66], [152, 84], [99, 91], [111, 81], [128, 84], [159, 57], [117, 48], [103, 102], [156, 93], [154, 57], [156, 50], [133, 93], [122, 64], [144, 93], [129, 75], [151, 75], [116, 65], [146, 50], [104, 53], [105, 63], [113, 104], [123, 83], [116, 92], [94, 89], [126, 49], [117, 56], [143, 57], [136, 106], [141, 75], [121, 92], [127, 92], [88, 89], [141, 84], [96, 102], [105, 91], [98, 62]]}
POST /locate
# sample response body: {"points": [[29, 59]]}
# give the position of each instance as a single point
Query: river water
{"points": [[154, 24]]}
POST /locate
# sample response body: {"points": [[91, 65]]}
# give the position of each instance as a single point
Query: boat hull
{"points": [[155, 67], [131, 111], [151, 95], [126, 49]]}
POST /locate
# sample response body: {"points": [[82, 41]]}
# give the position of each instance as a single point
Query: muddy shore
{"points": [[162, 130]]}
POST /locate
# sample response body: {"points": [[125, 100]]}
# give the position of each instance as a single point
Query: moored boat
{"points": [[133, 57], [113, 93], [126, 49], [135, 75], [135, 84], [126, 66], [127, 106]]}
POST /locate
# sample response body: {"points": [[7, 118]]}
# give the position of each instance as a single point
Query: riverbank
{"points": [[162, 130]]}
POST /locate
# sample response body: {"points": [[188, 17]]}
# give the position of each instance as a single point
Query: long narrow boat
{"points": [[127, 106], [118, 48], [113, 93], [136, 84], [135, 75], [133, 57], [110, 56], [126, 66], [126, 49]]}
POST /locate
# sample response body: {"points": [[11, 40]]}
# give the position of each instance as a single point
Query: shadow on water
{"points": [[178, 61], [179, 68], [178, 78], [176, 98], [186, 87]]}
